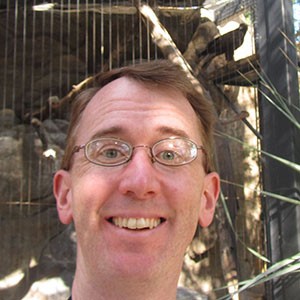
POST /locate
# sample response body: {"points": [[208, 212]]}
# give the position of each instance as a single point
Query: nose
{"points": [[140, 178]]}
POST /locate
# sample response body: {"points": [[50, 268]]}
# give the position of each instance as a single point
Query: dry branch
{"points": [[163, 40], [241, 73], [51, 106], [116, 9]]}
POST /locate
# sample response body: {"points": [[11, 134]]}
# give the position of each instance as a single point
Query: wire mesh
{"points": [[48, 49]]}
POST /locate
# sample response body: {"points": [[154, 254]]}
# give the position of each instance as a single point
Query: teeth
{"points": [[133, 223]]}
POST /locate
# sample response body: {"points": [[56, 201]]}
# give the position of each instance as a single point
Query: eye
{"points": [[174, 151], [167, 155], [111, 152], [106, 151]]}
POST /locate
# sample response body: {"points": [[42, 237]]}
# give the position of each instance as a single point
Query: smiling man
{"points": [[136, 179]]}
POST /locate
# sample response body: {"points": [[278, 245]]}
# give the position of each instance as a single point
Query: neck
{"points": [[129, 289]]}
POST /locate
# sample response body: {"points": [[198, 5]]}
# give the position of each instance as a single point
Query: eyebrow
{"points": [[118, 130], [173, 131], [115, 130]]}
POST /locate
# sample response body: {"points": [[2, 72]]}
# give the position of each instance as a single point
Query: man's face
{"points": [[171, 200]]}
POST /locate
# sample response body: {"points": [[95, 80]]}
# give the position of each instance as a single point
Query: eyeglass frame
{"points": [[77, 148]]}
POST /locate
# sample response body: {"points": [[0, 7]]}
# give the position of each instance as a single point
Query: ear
{"points": [[62, 193], [211, 189]]}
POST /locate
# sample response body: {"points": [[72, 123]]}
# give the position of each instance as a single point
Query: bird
{"points": [[224, 44]]}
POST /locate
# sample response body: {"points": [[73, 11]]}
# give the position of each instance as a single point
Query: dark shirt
{"points": [[184, 294]]}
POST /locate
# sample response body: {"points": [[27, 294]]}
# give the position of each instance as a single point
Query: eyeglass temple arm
{"points": [[77, 148]]}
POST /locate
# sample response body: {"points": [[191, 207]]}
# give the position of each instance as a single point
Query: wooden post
{"points": [[275, 37]]}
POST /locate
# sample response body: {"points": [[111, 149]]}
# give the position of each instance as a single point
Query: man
{"points": [[136, 180]]}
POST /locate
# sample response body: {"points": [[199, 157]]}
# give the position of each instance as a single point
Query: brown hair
{"points": [[160, 73]]}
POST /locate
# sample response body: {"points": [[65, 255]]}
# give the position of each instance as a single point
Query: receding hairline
{"points": [[94, 91]]}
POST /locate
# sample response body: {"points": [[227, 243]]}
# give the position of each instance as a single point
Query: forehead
{"points": [[131, 105]]}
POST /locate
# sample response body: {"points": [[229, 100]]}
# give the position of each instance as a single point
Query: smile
{"points": [[136, 223]]}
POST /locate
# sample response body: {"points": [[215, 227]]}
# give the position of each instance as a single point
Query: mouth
{"points": [[136, 223]]}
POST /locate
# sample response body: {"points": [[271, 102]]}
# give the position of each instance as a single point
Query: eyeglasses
{"points": [[111, 152]]}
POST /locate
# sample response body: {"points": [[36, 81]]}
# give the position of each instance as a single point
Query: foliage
{"points": [[291, 265], [285, 267]]}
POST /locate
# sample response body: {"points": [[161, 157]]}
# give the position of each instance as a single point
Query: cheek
{"points": [[89, 193], [186, 197], [191, 191], [190, 187]]}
